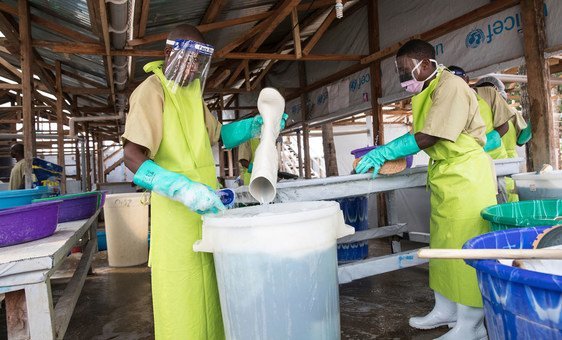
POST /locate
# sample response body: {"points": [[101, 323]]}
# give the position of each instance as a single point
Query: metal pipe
{"points": [[517, 78]]}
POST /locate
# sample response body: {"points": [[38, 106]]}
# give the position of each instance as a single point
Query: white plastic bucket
{"points": [[126, 227], [276, 269], [533, 186]]}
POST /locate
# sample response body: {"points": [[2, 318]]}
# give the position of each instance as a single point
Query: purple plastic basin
{"points": [[28, 223], [358, 153], [76, 207]]}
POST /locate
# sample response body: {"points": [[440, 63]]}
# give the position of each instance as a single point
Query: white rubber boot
{"points": [[444, 313], [470, 325]]}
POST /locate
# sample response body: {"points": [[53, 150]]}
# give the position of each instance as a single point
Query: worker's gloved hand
{"points": [[525, 135], [401, 147], [236, 133], [493, 141], [250, 168], [198, 197]]}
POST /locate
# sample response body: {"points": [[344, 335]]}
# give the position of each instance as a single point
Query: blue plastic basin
{"points": [[16, 198], [518, 303]]}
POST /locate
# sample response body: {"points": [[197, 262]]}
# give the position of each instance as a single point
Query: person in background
{"points": [[501, 121], [17, 179], [519, 131], [167, 145], [448, 127], [246, 152]]}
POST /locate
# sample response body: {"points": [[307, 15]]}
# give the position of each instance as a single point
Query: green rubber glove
{"points": [[401, 147], [198, 197], [493, 141], [236, 133], [525, 135], [250, 167]]}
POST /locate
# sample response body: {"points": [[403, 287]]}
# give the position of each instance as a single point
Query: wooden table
{"points": [[25, 272]]}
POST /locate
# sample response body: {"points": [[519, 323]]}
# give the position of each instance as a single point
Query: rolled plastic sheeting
{"points": [[271, 106]]}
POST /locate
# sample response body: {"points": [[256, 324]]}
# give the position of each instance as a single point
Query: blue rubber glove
{"points": [[401, 147], [525, 135], [250, 167], [236, 133], [493, 141], [198, 197]]}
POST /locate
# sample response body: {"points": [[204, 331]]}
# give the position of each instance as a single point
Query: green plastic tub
{"points": [[524, 214]]}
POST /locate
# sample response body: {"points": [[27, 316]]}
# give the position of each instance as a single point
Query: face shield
{"points": [[188, 61]]}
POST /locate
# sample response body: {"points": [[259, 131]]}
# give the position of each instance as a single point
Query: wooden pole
{"points": [[305, 114], [77, 162], [375, 70], [60, 122], [88, 159], [101, 177], [299, 152], [26, 55], [543, 143], [330, 158], [94, 160], [376, 92]]}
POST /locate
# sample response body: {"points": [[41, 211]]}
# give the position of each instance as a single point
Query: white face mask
{"points": [[414, 85]]}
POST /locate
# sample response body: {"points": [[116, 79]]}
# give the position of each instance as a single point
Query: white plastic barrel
{"points": [[126, 227], [533, 186], [276, 269]]}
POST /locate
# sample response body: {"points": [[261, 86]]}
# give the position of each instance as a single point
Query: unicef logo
{"points": [[474, 38]]}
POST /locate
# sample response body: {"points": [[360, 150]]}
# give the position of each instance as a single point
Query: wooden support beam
{"points": [[101, 174], [267, 27], [375, 71], [231, 22], [60, 124], [6, 86], [451, 25], [296, 33], [213, 11], [329, 147], [26, 55], [544, 145], [247, 75], [319, 32], [281, 56], [87, 138], [305, 115], [50, 24], [144, 17]]}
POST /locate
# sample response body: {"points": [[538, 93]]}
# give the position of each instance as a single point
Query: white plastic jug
{"points": [[126, 227], [276, 269]]}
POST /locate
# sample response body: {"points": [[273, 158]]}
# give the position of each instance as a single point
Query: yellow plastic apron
{"points": [[461, 180], [184, 288], [488, 117], [254, 142], [509, 141]]}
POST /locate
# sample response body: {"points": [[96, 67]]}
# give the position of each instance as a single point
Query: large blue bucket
{"points": [[518, 303], [356, 213]]}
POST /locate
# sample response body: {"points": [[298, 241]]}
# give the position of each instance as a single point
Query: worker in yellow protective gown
{"points": [[518, 132], [167, 144], [498, 116], [246, 153], [448, 127]]}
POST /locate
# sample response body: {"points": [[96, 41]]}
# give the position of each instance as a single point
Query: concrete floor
{"points": [[116, 303]]}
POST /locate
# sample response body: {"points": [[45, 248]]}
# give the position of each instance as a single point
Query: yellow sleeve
{"points": [[245, 151], [213, 125], [501, 111], [519, 122], [453, 102], [144, 120]]}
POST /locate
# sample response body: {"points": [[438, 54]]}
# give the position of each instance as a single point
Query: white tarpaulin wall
{"points": [[488, 45]]}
